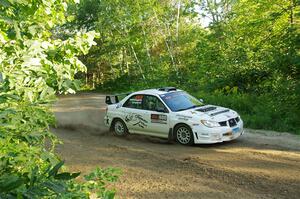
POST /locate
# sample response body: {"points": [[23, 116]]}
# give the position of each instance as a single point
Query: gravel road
{"points": [[260, 164]]}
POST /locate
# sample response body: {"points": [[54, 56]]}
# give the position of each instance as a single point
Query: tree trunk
{"points": [[166, 42], [292, 12], [147, 49], [138, 63], [93, 80], [177, 25], [86, 78]]}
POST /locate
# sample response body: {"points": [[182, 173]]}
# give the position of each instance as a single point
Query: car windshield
{"points": [[180, 101]]}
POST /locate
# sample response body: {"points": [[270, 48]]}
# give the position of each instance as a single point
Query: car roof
{"points": [[154, 92]]}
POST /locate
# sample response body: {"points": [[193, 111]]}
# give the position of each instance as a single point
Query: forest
{"points": [[242, 54]]}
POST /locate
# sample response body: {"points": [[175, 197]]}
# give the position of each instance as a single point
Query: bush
{"points": [[258, 112], [35, 66]]}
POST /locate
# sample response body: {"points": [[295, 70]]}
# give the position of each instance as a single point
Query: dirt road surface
{"points": [[259, 164]]}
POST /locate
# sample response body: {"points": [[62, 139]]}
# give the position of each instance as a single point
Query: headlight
{"points": [[209, 123]]}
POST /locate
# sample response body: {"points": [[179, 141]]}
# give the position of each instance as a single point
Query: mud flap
{"points": [[171, 137]]}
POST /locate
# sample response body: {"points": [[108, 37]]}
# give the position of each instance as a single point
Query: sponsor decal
{"points": [[159, 118], [183, 117], [136, 120]]}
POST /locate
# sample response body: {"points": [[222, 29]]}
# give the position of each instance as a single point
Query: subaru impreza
{"points": [[173, 114]]}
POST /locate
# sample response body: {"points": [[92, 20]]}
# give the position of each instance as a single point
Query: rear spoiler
{"points": [[113, 99]]}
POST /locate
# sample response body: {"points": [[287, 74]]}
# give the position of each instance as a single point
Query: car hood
{"points": [[209, 112]]}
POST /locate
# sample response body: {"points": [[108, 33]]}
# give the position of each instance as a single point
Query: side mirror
{"points": [[201, 100]]}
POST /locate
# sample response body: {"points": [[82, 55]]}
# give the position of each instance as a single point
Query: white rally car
{"points": [[173, 114]]}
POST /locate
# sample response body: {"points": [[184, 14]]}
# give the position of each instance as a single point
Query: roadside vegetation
{"points": [[35, 66], [240, 54]]}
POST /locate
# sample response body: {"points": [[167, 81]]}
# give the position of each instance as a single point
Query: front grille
{"points": [[232, 122]]}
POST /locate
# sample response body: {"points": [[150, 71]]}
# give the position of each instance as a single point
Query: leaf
{"points": [[36, 192], [11, 96], [17, 29], [4, 3], [76, 84], [55, 186], [109, 195], [66, 176], [30, 96], [33, 29], [10, 182], [33, 176], [55, 169], [3, 114], [18, 1]]}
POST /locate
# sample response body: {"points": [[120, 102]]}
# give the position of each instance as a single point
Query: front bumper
{"points": [[205, 135]]}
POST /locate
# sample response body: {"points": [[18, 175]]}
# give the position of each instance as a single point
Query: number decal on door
{"points": [[158, 118]]}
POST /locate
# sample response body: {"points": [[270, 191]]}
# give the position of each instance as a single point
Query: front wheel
{"points": [[119, 128], [184, 135]]}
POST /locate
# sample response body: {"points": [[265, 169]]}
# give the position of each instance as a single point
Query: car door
{"points": [[133, 114], [156, 115]]}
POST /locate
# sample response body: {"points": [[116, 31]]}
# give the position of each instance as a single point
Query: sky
{"points": [[204, 21]]}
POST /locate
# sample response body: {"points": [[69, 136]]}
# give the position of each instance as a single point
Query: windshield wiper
{"points": [[183, 109]]}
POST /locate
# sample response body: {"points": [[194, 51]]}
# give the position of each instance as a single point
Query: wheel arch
{"points": [[113, 121], [175, 126], [181, 123], [191, 141]]}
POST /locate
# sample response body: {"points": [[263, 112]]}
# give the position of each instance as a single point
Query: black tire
{"points": [[119, 127], [184, 135]]}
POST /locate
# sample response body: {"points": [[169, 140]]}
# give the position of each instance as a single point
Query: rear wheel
{"points": [[119, 128], [184, 135]]}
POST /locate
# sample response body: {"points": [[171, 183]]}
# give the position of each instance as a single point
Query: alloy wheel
{"points": [[119, 128], [183, 135]]}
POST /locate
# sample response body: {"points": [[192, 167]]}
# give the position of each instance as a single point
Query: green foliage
{"points": [[98, 179], [247, 58], [35, 66], [51, 184], [138, 39], [259, 112]]}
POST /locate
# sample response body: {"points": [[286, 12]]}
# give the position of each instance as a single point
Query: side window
{"points": [[152, 103], [134, 101]]}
